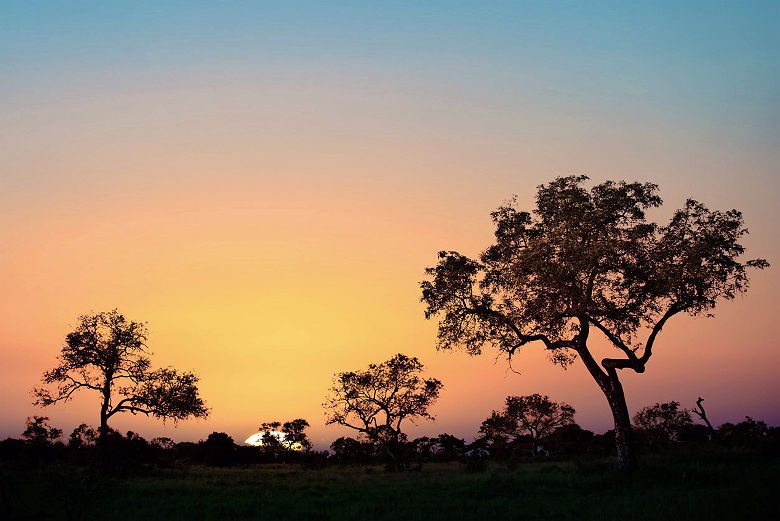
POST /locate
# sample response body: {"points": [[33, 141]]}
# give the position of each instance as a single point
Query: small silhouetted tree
{"points": [[447, 447], [443, 447], [293, 436], [107, 354], [534, 416], [587, 261], [569, 440], [37, 431], [421, 447], [746, 431], [136, 443], [162, 443], [40, 439], [82, 436], [350, 450], [663, 421], [377, 400], [271, 443], [218, 449]]}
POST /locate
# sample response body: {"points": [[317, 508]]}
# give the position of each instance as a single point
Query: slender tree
{"points": [[107, 354], [586, 261], [377, 400], [702, 414]]}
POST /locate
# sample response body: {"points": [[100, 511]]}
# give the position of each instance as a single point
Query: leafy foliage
{"points": [[107, 354], [663, 421], [746, 431], [535, 416], [292, 436], [82, 436], [350, 450], [582, 260], [586, 259], [218, 449], [38, 431], [377, 400], [447, 447]]}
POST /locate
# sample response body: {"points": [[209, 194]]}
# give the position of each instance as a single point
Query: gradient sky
{"points": [[265, 182]]}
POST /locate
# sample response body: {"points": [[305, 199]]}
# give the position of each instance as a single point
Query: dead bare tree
{"points": [[701, 413]]}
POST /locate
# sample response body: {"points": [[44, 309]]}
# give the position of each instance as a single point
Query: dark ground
{"points": [[711, 486]]}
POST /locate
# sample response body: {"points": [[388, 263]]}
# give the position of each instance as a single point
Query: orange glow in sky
{"points": [[270, 215]]}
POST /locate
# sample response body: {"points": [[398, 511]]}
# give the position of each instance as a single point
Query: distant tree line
{"points": [[529, 428]]}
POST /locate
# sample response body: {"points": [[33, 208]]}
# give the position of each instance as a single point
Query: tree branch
{"points": [[523, 338], [616, 340], [673, 310]]}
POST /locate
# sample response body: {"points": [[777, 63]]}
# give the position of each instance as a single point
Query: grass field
{"points": [[724, 486]]}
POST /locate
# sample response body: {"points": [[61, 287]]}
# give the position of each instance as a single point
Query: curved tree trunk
{"points": [[610, 385], [623, 434]]}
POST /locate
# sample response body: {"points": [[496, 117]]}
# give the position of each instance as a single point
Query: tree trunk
{"points": [[610, 385], [103, 432], [626, 453], [701, 413], [534, 446], [392, 451]]}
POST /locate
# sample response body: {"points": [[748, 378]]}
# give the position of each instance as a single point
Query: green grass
{"points": [[733, 486]]}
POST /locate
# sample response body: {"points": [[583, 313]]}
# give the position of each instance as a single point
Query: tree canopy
{"points": [[285, 436], [586, 260], [663, 421], [107, 353], [535, 416], [38, 431], [375, 401]]}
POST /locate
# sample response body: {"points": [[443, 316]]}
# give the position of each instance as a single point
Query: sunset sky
{"points": [[264, 183]]}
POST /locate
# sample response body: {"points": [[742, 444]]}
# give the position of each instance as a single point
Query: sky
{"points": [[264, 183]]}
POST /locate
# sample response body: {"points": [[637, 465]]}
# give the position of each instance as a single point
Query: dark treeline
{"points": [[661, 428]]}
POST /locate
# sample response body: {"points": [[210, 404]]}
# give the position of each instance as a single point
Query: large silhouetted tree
{"points": [[377, 400], [107, 354], [535, 416], [586, 261]]}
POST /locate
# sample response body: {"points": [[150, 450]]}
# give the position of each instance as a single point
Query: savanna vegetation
{"points": [[584, 262], [686, 476], [515, 471]]}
